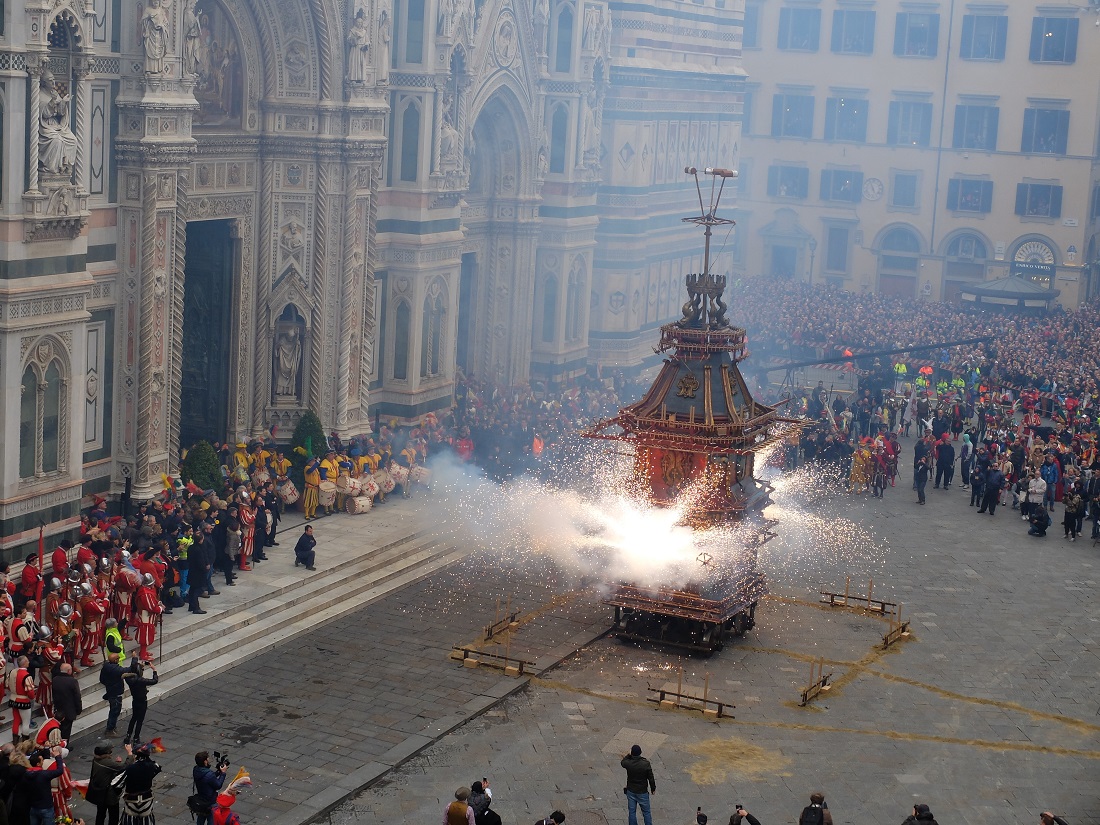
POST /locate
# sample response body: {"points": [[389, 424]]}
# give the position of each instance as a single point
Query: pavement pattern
{"points": [[987, 710]]}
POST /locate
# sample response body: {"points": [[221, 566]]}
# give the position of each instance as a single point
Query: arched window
{"points": [[563, 38], [28, 425], [431, 342], [42, 436], [550, 310], [559, 138], [574, 300], [967, 247], [51, 419], [901, 240], [401, 342], [410, 142]]}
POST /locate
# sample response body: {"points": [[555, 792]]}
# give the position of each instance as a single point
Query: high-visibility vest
{"points": [[113, 633]]}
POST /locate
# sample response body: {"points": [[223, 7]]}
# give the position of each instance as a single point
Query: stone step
{"points": [[262, 602], [276, 620]]}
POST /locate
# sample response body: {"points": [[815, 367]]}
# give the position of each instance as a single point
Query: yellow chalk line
{"points": [[898, 736]]}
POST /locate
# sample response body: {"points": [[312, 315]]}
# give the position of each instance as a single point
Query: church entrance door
{"points": [[207, 332]]}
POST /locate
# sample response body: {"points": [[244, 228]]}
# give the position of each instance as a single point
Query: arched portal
{"points": [[502, 220]]}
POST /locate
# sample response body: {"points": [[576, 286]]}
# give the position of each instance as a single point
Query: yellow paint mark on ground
{"points": [[721, 757]]}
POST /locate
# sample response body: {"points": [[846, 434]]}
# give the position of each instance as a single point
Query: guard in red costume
{"points": [[147, 610], [20, 697], [246, 514], [126, 581], [49, 735], [60, 559], [52, 653], [93, 610]]}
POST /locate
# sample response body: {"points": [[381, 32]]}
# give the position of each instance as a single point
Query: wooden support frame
{"points": [[857, 602], [819, 682], [690, 698], [898, 629], [511, 665], [511, 618]]}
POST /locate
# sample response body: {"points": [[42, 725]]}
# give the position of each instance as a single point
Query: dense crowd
{"points": [[1056, 352]]}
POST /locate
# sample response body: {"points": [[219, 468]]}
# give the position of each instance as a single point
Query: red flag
{"points": [[156, 746], [41, 572], [847, 353]]}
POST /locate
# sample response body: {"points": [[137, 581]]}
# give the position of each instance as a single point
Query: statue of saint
{"points": [[192, 31], [448, 143], [56, 141], [385, 33], [591, 130], [288, 357], [542, 21], [358, 46], [154, 37]]}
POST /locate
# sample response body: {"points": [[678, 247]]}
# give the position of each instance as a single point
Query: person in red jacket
{"points": [[20, 697], [60, 559], [28, 580]]}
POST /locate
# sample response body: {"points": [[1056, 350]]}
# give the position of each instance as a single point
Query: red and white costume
{"points": [[93, 609], [61, 788], [52, 654], [147, 609], [127, 580], [20, 697], [246, 514]]}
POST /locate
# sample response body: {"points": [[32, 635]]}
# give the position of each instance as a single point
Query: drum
{"points": [[240, 474], [421, 475], [260, 478], [326, 494], [288, 492], [400, 474], [384, 481], [358, 505], [369, 488], [348, 486]]}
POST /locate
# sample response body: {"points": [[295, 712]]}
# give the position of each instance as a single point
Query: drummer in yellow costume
{"points": [[407, 458], [330, 471], [313, 481], [346, 468], [364, 465], [259, 459], [238, 460], [280, 466]]}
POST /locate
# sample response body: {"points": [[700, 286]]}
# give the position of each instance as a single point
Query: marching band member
{"points": [[330, 471], [93, 609], [313, 482], [280, 466], [20, 687], [52, 652]]}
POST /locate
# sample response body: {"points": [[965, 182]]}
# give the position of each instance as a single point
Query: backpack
{"points": [[812, 815]]}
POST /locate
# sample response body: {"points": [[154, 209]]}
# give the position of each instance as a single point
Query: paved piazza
{"points": [[988, 711]]}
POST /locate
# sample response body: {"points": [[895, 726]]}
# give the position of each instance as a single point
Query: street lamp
{"points": [[813, 250]]}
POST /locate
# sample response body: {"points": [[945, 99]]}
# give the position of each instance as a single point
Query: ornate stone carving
{"points": [[358, 46], [155, 36]]}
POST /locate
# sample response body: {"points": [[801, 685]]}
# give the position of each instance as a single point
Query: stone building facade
{"points": [[217, 214]]}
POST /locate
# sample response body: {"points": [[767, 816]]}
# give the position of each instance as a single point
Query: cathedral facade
{"points": [[217, 214]]}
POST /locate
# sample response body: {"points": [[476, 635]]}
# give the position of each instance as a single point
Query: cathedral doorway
{"points": [[207, 332]]}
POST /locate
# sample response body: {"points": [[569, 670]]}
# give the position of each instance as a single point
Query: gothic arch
{"points": [[951, 237], [505, 154]]}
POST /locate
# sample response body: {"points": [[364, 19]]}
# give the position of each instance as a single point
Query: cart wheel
{"points": [[740, 624], [752, 615]]}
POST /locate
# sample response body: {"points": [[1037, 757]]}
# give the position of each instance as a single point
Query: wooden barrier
{"points": [[898, 628], [498, 624], [511, 665], [819, 682], [690, 698], [850, 600]]}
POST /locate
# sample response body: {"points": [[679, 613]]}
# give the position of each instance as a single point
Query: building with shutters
{"points": [[916, 148]]}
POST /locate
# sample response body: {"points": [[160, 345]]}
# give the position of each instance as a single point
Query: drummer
{"points": [[280, 466], [346, 468], [258, 460], [313, 482], [407, 459], [240, 458], [362, 464], [330, 471]]}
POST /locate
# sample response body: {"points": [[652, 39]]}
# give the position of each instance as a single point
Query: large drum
{"points": [[288, 492], [348, 486], [358, 505], [421, 475], [260, 478], [400, 474], [326, 494], [384, 481], [369, 487]]}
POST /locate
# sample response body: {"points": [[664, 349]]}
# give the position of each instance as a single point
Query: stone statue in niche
{"points": [[154, 36], [358, 47], [445, 21], [56, 141], [288, 360], [449, 153], [542, 22], [591, 154], [385, 34], [593, 17], [192, 31]]}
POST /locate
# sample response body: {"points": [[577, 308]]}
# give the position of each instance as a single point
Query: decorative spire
{"points": [[705, 307]]}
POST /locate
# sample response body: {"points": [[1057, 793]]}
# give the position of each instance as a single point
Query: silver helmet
{"points": [[65, 611], [124, 555], [85, 589], [88, 570], [74, 576], [43, 632], [55, 584], [147, 579], [105, 564]]}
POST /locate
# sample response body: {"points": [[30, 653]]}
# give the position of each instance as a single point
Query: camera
{"points": [[222, 761]]}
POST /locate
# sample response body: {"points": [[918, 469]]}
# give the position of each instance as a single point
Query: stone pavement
{"points": [[987, 712]]}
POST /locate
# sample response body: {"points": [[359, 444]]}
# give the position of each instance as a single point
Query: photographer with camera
{"points": [[208, 782], [139, 685], [742, 813]]}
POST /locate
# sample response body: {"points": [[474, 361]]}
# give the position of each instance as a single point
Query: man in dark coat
{"points": [[639, 785], [199, 559], [139, 685], [105, 767], [303, 550], [66, 699], [994, 481], [111, 679]]}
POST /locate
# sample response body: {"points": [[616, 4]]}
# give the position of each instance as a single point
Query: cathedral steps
{"points": [[267, 609]]}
